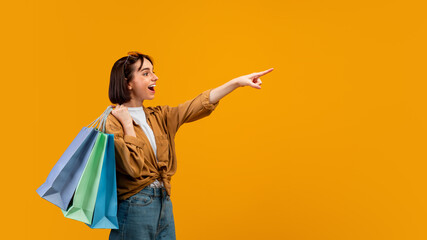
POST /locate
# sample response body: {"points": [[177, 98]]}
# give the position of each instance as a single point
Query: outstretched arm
{"points": [[252, 80]]}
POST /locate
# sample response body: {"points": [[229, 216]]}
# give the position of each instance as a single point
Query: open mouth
{"points": [[151, 87]]}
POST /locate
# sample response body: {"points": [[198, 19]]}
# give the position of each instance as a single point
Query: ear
{"points": [[130, 86]]}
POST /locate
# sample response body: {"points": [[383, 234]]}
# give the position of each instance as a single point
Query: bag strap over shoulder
{"points": [[99, 123]]}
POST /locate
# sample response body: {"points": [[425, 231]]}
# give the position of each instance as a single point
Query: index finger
{"points": [[265, 72]]}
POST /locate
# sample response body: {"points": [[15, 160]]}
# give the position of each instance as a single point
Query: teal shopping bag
{"points": [[105, 213], [83, 202]]}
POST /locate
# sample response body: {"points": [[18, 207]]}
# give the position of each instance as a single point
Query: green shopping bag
{"points": [[83, 203]]}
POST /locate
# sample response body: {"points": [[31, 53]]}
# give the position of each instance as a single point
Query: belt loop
{"points": [[152, 191]]}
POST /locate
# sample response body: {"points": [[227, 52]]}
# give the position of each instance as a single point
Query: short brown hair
{"points": [[119, 78]]}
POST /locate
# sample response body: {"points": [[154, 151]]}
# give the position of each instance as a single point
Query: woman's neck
{"points": [[133, 103]]}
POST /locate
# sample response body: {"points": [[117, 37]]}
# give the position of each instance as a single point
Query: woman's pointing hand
{"points": [[252, 79]]}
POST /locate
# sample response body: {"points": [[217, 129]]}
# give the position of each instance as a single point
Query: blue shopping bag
{"points": [[105, 213], [62, 180]]}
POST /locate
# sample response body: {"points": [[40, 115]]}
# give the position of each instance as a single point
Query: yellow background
{"points": [[332, 146]]}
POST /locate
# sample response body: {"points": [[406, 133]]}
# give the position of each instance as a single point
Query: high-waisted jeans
{"points": [[147, 215]]}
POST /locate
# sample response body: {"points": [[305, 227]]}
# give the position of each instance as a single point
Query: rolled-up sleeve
{"points": [[128, 149], [189, 111]]}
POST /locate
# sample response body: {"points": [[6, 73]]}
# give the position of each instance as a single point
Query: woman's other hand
{"points": [[122, 114]]}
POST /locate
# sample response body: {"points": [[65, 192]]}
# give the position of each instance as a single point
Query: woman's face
{"points": [[142, 80]]}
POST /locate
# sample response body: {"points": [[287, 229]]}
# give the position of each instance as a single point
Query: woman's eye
{"points": [[146, 73]]}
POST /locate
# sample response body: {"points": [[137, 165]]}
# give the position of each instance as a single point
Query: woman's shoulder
{"points": [[112, 122], [158, 109], [111, 118]]}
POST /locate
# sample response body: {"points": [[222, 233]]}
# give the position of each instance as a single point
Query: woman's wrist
{"points": [[235, 83], [129, 130]]}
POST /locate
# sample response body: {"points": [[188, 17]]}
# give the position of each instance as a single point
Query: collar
{"points": [[147, 111]]}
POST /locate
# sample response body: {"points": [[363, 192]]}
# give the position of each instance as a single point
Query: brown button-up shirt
{"points": [[136, 164]]}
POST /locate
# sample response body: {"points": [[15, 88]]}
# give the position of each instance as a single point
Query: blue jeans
{"points": [[147, 215]]}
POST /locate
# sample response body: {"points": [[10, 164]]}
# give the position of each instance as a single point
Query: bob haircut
{"points": [[118, 91]]}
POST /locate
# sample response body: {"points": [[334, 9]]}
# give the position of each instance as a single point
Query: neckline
{"points": [[135, 108]]}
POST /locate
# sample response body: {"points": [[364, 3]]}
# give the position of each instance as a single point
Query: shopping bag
{"points": [[62, 180], [105, 212], [64, 176], [83, 202], [74, 181]]}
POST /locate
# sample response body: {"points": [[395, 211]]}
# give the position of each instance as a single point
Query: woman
{"points": [[145, 147]]}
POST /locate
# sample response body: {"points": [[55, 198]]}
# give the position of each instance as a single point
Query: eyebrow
{"points": [[145, 69]]}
